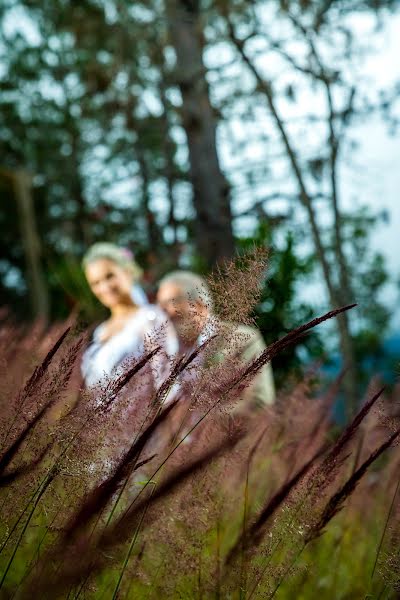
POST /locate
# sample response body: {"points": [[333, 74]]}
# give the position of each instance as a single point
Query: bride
{"points": [[132, 328]]}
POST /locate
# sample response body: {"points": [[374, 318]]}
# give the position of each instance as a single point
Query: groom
{"points": [[186, 299]]}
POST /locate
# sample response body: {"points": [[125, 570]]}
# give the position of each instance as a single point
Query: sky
{"points": [[376, 179], [377, 184]]}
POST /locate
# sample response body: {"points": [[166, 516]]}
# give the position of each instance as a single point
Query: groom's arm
{"points": [[261, 391]]}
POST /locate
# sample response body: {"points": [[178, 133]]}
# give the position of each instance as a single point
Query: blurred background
{"points": [[190, 130]]}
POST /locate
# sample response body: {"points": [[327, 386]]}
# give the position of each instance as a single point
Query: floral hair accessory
{"points": [[127, 253]]}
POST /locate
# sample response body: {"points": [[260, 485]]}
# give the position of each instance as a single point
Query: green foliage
{"points": [[12, 284], [280, 308], [74, 114]]}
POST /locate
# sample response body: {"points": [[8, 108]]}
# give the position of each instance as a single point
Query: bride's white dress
{"points": [[114, 430], [147, 328]]}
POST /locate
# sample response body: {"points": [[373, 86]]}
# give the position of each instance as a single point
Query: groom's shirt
{"points": [[231, 348]]}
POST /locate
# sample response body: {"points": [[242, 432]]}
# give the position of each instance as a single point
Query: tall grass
{"points": [[117, 492]]}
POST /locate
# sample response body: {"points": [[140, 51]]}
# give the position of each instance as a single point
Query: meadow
{"points": [[200, 502]]}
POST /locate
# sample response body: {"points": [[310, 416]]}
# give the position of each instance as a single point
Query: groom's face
{"points": [[188, 316]]}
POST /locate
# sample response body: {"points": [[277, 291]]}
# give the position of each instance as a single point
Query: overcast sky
{"points": [[376, 181]]}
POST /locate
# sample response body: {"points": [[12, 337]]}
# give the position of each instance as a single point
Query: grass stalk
{"points": [[25, 527], [385, 529], [131, 546]]}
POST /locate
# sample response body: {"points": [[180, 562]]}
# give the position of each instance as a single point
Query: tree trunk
{"points": [[82, 232], [153, 232], [345, 291], [170, 170], [31, 243], [213, 229]]}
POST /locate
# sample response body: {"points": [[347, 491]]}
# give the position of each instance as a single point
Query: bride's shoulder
{"points": [[156, 322], [98, 332], [152, 313]]}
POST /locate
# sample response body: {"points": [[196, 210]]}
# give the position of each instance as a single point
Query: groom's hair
{"points": [[193, 286]]}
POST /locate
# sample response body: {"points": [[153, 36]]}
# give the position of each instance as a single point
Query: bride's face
{"points": [[109, 282]]}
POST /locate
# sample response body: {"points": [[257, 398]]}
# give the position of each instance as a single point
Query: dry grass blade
{"points": [[52, 397], [164, 489], [100, 496], [256, 444], [335, 504], [334, 458], [350, 430], [8, 478], [289, 339], [180, 365], [10, 453], [255, 532], [92, 556], [115, 386], [40, 371], [33, 381]]}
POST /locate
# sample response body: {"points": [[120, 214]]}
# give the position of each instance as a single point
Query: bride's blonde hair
{"points": [[122, 257]]}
